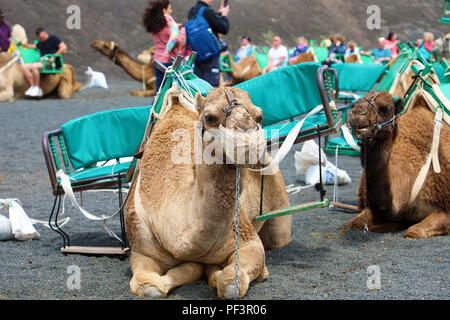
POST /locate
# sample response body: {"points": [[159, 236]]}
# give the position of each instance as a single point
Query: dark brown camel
{"points": [[392, 157]]}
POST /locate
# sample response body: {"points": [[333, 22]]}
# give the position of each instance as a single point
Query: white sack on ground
{"points": [[96, 79], [307, 164], [21, 226]]}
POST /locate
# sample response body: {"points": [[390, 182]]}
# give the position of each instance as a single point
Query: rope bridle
{"points": [[114, 51], [376, 125], [232, 103]]}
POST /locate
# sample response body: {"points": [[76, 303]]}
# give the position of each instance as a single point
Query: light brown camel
{"points": [[180, 221], [136, 70], [392, 157], [353, 58], [13, 83], [305, 57], [248, 68]]}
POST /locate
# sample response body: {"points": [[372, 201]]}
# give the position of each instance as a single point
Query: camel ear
{"points": [[199, 102], [398, 106]]}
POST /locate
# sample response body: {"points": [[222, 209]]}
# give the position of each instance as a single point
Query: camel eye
{"points": [[259, 118], [384, 110], [210, 119]]}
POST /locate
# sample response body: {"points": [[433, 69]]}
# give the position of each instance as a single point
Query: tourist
{"points": [[302, 46], [392, 44], [166, 34], [5, 33], [426, 46], [48, 44], [352, 49], [209, 70], [278, 56], [336, 50], [380, 54], [245, 50]]}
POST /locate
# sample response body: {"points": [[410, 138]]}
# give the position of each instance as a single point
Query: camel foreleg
{"points": [[7, 94], [251, 268], [142, 93], [437, 223], [151, 279], [374, 224]]}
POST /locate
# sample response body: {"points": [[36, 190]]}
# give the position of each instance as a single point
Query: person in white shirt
{"points": [[278, 56]]}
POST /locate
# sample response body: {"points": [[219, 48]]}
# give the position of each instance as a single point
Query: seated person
{"points": [[392, 44], [302, 46], [278, 56], [245, 50], [338, 47], [380, 54], [351, 49], [48, 44], [426, 46]]}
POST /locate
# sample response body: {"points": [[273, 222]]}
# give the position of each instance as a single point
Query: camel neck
{"points": [[131, 66], [217, 187], [375, 157]]}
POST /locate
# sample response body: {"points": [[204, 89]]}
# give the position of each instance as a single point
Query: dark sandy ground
{"points": [[320, 263]]}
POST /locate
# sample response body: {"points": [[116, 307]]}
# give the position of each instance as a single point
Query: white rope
{"points": [[67, 187], [289, 142], [9, 64], [349, 138], [292, 189], [335, 187]]}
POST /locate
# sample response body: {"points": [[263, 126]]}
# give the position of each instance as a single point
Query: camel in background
{"points": [[13, 83], [142, 72]]}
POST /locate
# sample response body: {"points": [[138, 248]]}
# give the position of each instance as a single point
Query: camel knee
{"points": [[276, 233]]}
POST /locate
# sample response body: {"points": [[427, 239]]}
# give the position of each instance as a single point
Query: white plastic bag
{"points": [[5, 229], [21, 226], [308, 156], [307, 163], [97, 79]]}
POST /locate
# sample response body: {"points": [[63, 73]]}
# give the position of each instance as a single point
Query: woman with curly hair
{"points": [[167, 35]]}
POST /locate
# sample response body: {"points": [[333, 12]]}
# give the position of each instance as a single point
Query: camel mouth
{"points": [[243, 147], [361, 133]]}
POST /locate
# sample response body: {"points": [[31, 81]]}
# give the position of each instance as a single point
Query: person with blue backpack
{"points": [[202, 31]]}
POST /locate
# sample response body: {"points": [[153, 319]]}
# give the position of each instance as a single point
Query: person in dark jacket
{"points": [[5, 33], [210, 70]]}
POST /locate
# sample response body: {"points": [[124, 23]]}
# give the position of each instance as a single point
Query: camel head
{"points": [[146, 56], [233, 124], [375, 115], [108, 48]]}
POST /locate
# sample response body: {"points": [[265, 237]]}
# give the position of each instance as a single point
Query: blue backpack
{"points": [[200, 38]]}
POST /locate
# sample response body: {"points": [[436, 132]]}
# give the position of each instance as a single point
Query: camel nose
{"points": [[241, 119]]}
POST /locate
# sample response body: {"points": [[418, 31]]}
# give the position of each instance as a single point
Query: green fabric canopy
{"points": [[358, 77], [285, 93], [105, 135]]}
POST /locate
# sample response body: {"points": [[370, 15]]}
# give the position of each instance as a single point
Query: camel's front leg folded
{"points": [[251, 268], [437, 223], [149, 278]]}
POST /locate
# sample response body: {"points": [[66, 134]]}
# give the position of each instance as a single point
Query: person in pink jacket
{"points": [[168, 36]]}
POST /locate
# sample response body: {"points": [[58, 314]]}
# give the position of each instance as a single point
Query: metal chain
{"points": [[236, 232], [366, 228]]}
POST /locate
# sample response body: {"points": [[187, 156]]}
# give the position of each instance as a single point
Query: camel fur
{"points": [[395, 155], [248, 68], [142, 72], [180, 217]]}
